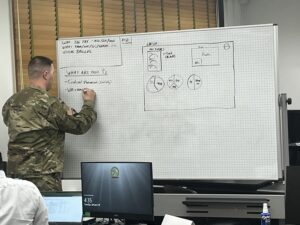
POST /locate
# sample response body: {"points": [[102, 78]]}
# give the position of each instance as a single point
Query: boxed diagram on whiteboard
{"points": [[174, 74]]}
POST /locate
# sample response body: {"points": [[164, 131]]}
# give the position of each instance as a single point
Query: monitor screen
{"points": [[122, 190], [63, 207]]}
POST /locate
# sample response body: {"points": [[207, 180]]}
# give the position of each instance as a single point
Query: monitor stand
{"points": [[123, 222], [131, 222], [111, 221]]}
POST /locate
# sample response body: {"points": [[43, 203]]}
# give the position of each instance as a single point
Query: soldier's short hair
{"points": [[37, 65]]}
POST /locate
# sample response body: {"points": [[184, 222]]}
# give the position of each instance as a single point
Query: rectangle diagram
{"points": [[189, 76], [97, 52]]}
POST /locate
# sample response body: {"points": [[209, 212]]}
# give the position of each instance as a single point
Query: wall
{"points": [[6, 67], [286, 15], [237, 12]]}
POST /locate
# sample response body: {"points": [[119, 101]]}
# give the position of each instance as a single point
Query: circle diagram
{"points": [[155, 84], [174, 82], [194, 82]]}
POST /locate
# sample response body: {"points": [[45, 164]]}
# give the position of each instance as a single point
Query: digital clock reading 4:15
{"points": [[88, 200]]}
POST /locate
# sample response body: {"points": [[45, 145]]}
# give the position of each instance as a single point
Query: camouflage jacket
{"points": [[37, 123]]}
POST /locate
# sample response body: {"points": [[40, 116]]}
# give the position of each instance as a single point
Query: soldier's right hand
{"points": [[88, 94]]}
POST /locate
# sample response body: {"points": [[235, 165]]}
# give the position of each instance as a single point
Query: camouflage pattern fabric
{"points": [[46, 182], [37, 123]]}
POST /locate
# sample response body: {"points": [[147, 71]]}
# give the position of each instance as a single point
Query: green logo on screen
{"points": [[114, 172], [86, 214]]}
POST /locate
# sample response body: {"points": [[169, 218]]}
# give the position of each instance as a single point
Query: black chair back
{"points": [[2, 164]]}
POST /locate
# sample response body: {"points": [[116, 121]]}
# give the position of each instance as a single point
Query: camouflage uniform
{"points": [[37, 123]]}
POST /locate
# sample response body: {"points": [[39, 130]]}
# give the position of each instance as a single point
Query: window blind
{"points": [[39, 23]]}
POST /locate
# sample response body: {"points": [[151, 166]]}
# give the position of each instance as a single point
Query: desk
{"points": [[223, 208]]}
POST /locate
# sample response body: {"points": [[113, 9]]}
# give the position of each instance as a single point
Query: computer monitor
{"points": [[63, 207], [122, 190]]}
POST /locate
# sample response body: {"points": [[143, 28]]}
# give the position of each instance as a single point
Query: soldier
{"points": [[37, 123]]}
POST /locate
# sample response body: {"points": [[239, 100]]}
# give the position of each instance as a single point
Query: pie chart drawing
{"points": [[155, 84], [194, 82], [174, 82]]}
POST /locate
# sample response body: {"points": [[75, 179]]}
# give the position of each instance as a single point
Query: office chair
{"points": [[2, 164]]}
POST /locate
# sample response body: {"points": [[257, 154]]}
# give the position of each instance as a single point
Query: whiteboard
{"points": [[198, 104]]}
